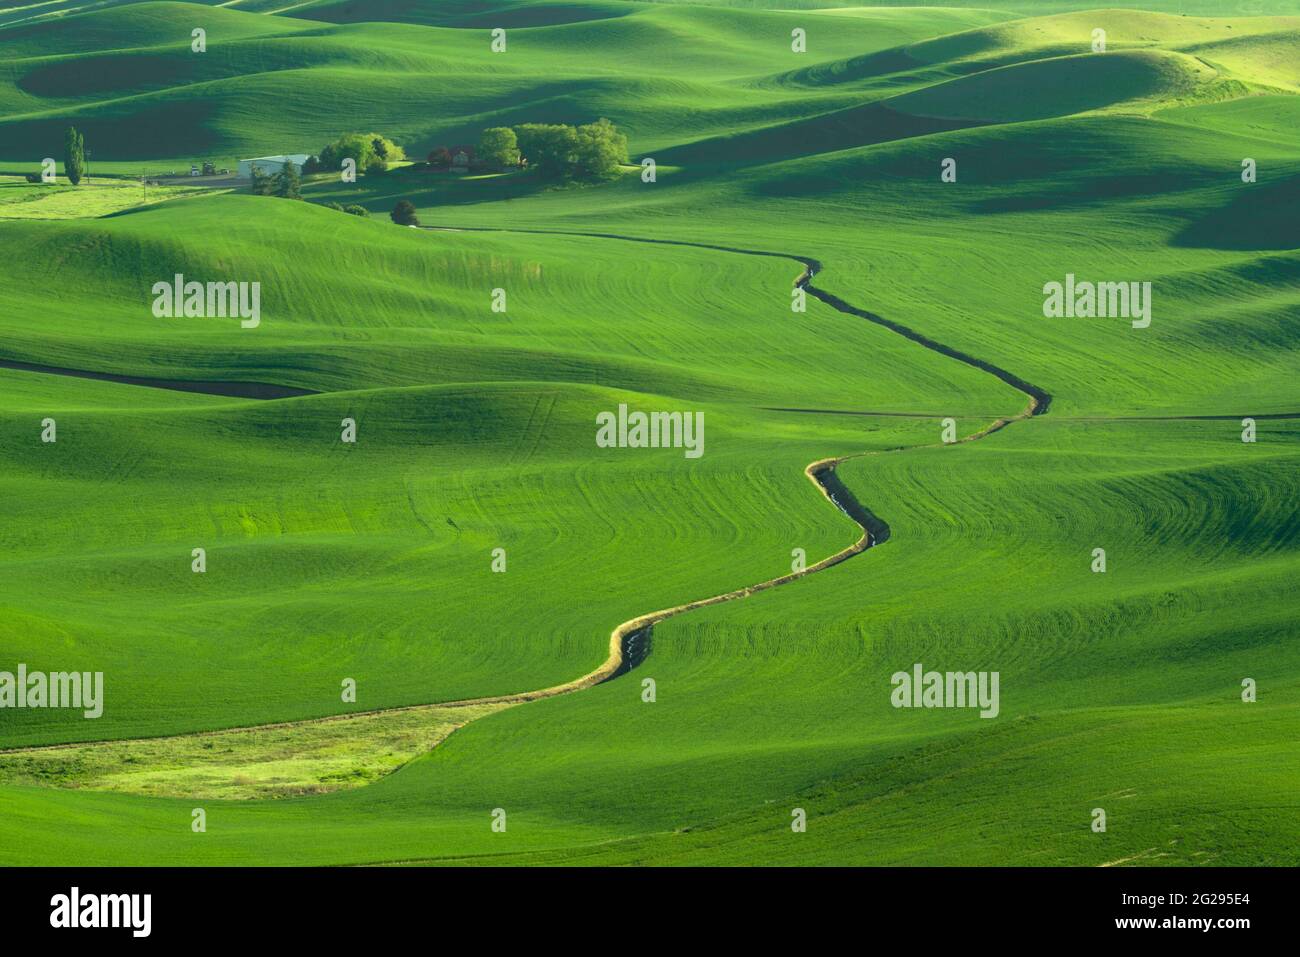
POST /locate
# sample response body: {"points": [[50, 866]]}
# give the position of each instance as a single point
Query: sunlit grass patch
{"points": [[308, 757], [22, 200]]}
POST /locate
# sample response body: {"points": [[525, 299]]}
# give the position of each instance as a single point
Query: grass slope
{"points": [[1119, 690]]}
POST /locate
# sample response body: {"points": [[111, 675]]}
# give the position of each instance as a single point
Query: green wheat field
{"points": [[830, 241]]}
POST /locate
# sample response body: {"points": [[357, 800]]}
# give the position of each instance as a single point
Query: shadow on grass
{"points": [[426, 189], [1259, 216]]}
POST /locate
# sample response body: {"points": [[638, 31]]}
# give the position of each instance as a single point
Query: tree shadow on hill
{"points": [[429, 189]]}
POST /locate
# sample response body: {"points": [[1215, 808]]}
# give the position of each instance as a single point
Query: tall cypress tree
{"points": [[287, 181], [261, 182], [74, 157]]}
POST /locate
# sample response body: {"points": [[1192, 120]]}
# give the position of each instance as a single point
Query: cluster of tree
{"points": [[352, 209], [370, 151], [74, 155], [285, 183], [444, 157], [498, 148], [555, 150], [439, 157], [591, 152]]}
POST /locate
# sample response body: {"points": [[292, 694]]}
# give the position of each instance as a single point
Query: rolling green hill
{"points": [[476, 431]]}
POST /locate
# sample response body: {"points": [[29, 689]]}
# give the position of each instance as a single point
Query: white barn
{"points": [[270, 164]]}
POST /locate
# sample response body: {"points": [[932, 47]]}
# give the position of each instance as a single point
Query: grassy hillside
{"points": [[476, 431], [1111, 670], [402, 337], [19, 200], [142, 94]]}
